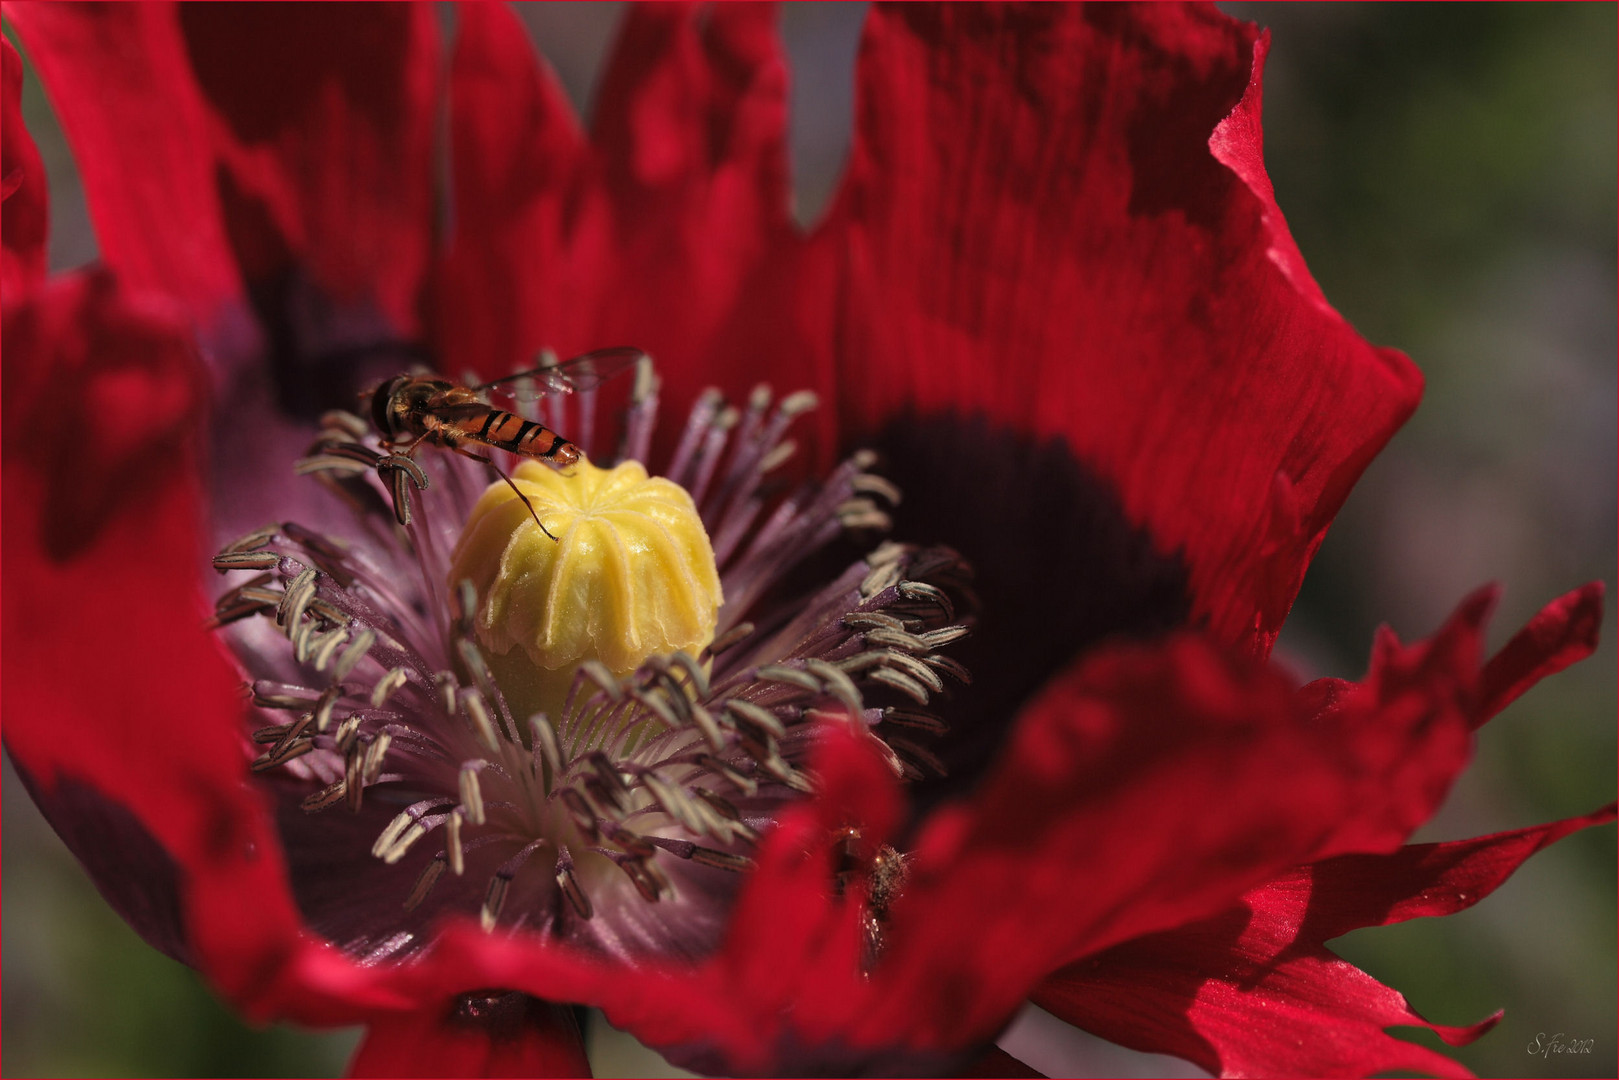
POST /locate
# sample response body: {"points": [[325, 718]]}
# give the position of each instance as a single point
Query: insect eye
{"points": [[381, 414]]}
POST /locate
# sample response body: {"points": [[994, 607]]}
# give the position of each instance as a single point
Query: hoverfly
{"points": [[409, 410]]}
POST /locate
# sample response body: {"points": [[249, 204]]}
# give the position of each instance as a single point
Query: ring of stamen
{"points": [[681, 762]]}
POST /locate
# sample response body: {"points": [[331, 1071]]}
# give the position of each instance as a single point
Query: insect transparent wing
{"points": [[583, 372]]}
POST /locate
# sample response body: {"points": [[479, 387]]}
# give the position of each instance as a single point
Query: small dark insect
{"points": [[885, 874], [889, 873], [409, 410]]}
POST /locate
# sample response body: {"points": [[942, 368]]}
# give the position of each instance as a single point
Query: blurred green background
{"points": [[1449, 172]]}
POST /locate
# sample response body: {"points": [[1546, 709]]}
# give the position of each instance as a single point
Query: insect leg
{"points": [[464, 452]]}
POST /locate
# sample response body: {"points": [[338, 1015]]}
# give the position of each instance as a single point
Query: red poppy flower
{"points": [[1054, 291]]}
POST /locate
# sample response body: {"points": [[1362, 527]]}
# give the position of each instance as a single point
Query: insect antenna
{"points": [[464, 452]]}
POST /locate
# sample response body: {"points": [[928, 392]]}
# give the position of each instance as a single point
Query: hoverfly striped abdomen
{"points": [[511, 432]]}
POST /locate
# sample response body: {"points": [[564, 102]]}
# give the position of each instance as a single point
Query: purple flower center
{"points": [[409, 784]]}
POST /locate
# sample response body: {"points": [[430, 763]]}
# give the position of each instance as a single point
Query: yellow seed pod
{"points": [[631, 573]]}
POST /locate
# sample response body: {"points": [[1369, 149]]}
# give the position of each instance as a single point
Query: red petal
{"points": [[1565, 631], [792, 948], [1233, 998], [668, 230], [1166, 781], [1435, 684], [1405, 728], [120, 84], [1254, 992], [354, 85], [1130, 286], [674, 107], [516, 159], [112, 680], [1354, 891], [80, 350], [206, 138], [512, 1035], [22, 187]]}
